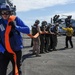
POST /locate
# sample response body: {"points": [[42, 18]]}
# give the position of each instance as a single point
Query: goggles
{"points": [[5, 13]]}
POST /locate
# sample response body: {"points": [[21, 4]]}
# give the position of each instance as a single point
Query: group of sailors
{"points": [[47, 40]]}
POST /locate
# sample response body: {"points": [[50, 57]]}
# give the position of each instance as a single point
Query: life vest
{"points": [[7, 43], [34, 29]]}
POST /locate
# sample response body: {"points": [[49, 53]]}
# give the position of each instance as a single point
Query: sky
{"points": [[31, 10]]}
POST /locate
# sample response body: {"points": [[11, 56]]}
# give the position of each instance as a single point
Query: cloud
{"points": [[48, 17], [26, 5], [31, 21], [69, 13]]}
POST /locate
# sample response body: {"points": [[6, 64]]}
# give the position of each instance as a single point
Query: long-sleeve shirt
{"points": [[69, 31], [15, 39]]}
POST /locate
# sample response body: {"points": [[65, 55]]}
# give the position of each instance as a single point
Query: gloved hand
{"points": [[12, 24]]}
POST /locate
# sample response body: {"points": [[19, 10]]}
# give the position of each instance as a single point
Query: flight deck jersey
{"points": [[15, 35]]}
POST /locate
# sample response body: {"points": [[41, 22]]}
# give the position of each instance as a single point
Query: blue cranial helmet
{"points": [[5, 7]]}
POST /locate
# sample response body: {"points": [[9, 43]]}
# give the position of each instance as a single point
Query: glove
{"points": [[12, 24]]}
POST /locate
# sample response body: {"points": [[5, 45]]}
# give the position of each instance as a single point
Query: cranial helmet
{"points": [[44, 22], [5, 7], [37, 21]]}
